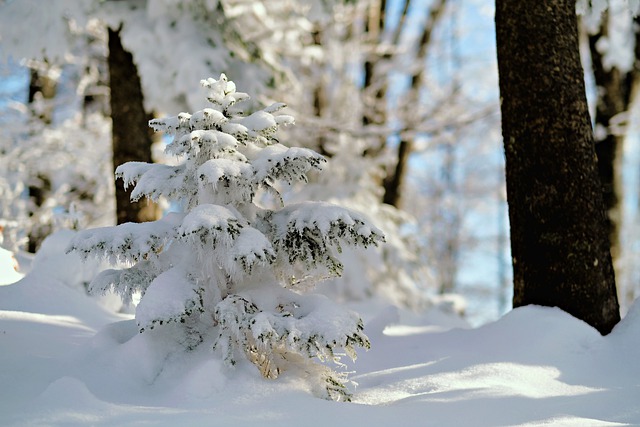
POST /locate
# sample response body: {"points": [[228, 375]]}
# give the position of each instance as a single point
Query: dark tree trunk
{"points": [[395, 179], [131, 137], [320, 97], [559, 239]]}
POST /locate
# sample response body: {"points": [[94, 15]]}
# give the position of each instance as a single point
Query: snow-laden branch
{"points": [[126, 243], [310, 234]]}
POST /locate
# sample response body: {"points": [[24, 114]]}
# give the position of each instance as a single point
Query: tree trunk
{"points": [[319, 95], [614, 97], [131, 137], [395, 178], [41, 83], [39, 185], [374, 90], [559, 239]]}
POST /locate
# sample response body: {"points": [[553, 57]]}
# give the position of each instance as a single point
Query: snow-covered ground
{"points": [[8, 267], [66, 359]]}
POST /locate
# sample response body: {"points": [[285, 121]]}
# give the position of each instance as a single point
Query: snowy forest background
{"points": [[406, 90], [401, 97], [313, 56]]}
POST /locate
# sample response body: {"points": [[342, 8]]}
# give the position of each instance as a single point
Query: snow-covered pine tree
{"points": [[226, 270]]}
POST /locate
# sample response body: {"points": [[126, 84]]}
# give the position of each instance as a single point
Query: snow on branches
{"points": [[231, 272]]}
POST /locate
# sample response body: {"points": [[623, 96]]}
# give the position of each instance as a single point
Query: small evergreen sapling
{"points": [[226, 270]]}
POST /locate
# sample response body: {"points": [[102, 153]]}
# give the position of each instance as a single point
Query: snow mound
{"points": [[534, 367]]}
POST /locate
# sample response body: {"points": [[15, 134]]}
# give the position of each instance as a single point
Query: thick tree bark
{"points": [[131, 137], [559, 238]]}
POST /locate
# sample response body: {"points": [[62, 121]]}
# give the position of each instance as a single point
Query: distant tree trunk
{"points": [[39, 190], [41, 83], [131, 137], [614, 97], [373, 88], [559, 238], [39, 185], [320, 96], [395, 178]]}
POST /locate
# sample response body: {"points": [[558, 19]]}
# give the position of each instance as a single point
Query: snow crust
{"points": [[67, 361]]}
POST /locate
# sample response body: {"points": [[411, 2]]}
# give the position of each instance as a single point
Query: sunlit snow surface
{"points": [[65, 360], [9, 269]]}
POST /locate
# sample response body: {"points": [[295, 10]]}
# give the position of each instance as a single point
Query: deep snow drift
{"points": [[67, 360]]}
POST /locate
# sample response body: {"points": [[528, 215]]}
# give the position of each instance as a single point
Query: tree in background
{"points": [[131, 140], [138, 23], [315, 53], [367, 79], [613, 37], [227, 271], [559, 240], [396, 176], [280, 38], [80, 191], [43, 81], [55, 153], [207, 35]]}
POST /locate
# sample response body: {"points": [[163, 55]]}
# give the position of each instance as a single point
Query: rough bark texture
{"points": [[559, 238], [131, 138]]}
